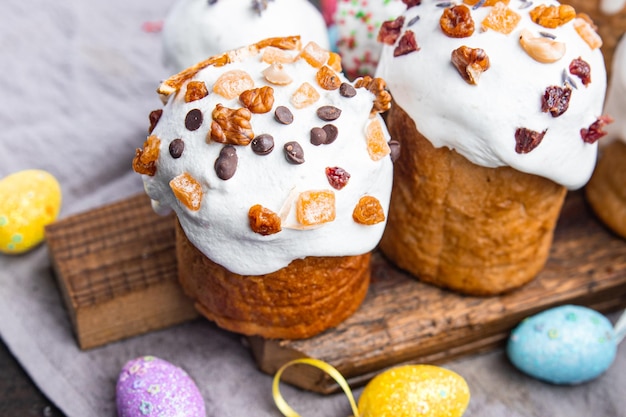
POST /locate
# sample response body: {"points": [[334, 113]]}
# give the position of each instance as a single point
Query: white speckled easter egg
{"points": [[415, 391], [29, 200], [150, 386], [563, 345]]}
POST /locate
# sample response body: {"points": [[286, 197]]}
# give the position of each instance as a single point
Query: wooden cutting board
{"points": [[117, 272]]}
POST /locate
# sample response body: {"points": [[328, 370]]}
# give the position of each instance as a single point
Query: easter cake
{"points": [[197, 29], [279, 172], [498, 107], [606, 191]]}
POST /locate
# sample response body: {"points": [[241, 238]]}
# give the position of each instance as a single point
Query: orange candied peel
{"points": [[552, 16], [501, 19], [368, 211], [232, 83], [187, 190], [304, 96], [273, 55], [263, 220], [377, 146], [487, 3], [327, 78], [334, 61], [315, 207], [315, 55], [586, 29], [196, 90], [145, 159]]}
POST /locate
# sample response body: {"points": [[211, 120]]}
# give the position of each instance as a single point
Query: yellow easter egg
{"points": [[415, 391], [29, 200]]}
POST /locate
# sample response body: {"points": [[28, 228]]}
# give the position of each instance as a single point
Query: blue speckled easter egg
{"points": [[563, 345], [150, 386]]}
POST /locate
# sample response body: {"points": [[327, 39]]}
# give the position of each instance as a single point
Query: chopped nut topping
{"points": [[368, 211], [556, 100], [232, 83], [231, 126], [304, 96], [581, 69], [552, 16], [457, 22], [315, 55], [378, 87], [586, 29], [263, 220], [470, 62], [327, 78], [145, 159], [594, 131], [390, 31], [315, 207], [544, 50], [187, 190], [501, 19], [377, 145], [258, 100], [196, 90], [276, 74], [526, 140]]}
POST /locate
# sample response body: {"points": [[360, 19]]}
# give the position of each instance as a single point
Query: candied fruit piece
{"points": [[187, 190], [315, 55], [273, 55], [315, 207], [304, 96], [337, 177], [501, 19], [470, 62], [377, 146], [196, 90], [457, 22], [232, 83], [526, 140], [145, 159], [258, 100], [334, 61], [406, 45], [368, 211], [231, 126], [552, 16], [327, 78], [263, 220], [541, 49], [390, 30], [485, 3], [586, 29], [594, 131], [581, 69]]}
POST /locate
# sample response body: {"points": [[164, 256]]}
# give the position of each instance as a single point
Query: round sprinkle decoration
{"points": [[226, 163], [193, 120], [294, 153], [318, 136], [328, 113], [177, 146], [346, 90], [283, 115], [262, 144]]}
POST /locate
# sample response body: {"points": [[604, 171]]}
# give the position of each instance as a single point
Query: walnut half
{"points": [[470, 62]]}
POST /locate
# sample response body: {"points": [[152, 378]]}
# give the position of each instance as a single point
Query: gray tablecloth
{"points": [[77, 79]]}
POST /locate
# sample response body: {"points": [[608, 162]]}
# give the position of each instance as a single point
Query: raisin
{"points": [[390, 31], [594, 131], [526, 140], [581, 69], [457, 22], [368, 211], [263, 221], [406, 45], [154, 117], [556, 100]]}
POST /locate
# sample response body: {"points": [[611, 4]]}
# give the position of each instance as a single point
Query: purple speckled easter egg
{"points": [[150, 386]]}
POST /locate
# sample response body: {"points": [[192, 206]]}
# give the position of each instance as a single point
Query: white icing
{"points": [[220, 228], [357, 29], [616, 96], [612, 6], [479, 121], [195, 30]]}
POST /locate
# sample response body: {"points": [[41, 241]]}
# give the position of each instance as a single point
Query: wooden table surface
{"points": [[19, 397]]}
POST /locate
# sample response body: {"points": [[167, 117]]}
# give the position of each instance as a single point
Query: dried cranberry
{"points": [[595, 132], [556, 100], [390, 30], [407, 44], [337, 177], [581, 69], [411, 3], [526, 140], [154, 117]]}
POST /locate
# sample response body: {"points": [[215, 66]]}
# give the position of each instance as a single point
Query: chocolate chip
{"points": [[283, 115], [262, 144], [226, 163], [331, 133], [177, 146], [328, 113], [294, 153], [346, 90], [394, 146], [193, 120], [154, 117], [318, 136]]}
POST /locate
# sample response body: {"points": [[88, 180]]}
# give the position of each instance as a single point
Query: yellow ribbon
{"points": [[330, 370]]}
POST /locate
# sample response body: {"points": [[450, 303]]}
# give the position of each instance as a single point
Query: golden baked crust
{"points": [[606, 190], [476, 230], [301, 300]]}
